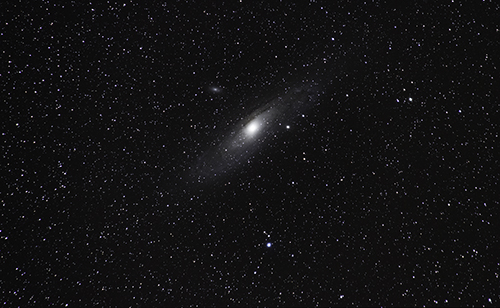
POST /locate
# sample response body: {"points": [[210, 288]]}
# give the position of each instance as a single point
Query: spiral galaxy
{"points": [[252, 133]]}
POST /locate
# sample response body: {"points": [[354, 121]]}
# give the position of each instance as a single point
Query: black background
{"points": [[383, 194]]}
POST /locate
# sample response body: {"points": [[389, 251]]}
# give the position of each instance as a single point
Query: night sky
{"points": [[250, 153]]}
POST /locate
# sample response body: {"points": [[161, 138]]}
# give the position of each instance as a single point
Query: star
{"points": [[268, 244]]}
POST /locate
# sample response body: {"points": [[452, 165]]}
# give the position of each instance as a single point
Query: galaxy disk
{"points": [[253, 133]]}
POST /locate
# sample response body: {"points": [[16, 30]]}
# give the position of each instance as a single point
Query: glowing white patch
{"points": [[252, 127], [215, 89]]}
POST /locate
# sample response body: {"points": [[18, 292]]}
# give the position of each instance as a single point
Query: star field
{"points": [[374, 183]]}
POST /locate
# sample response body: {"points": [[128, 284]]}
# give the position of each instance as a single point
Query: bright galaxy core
{"points": [[252, 127]]}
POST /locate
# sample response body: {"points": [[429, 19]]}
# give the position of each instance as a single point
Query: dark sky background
{"points": [[385, 192]]}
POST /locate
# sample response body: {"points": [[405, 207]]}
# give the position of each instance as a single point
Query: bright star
{"points": [[268, 245]]}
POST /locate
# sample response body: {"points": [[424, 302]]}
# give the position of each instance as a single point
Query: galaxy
{"points": [[250, 153], [253, 132]]}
